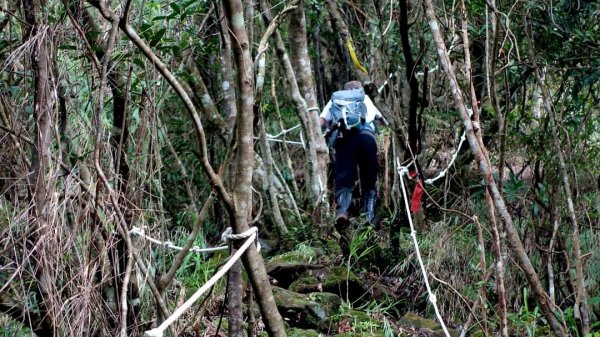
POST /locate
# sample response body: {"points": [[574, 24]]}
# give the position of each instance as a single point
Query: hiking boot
{"points": [[343, 199], [342, 223], [342, 226], [369, 206]]}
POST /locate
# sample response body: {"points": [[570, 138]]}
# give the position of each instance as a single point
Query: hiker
{"points": [[350, 117]]}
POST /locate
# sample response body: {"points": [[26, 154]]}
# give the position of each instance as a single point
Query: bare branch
{"points": [[215, 180], [478, 150]]}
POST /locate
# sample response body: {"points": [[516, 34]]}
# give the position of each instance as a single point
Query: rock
{"points": [[356, 323], [380, 291], [417, 322], [412, 319], [211, 327], [306, 310], [284, 272], [336, 280], [295, 332], [267, 246], [360, 334]]}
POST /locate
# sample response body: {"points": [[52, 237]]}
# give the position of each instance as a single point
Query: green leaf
{"points": [[146, 30], [4, 44], [175, 7], [157, 36], [67, 47], [161, 17], [187, 13], [183, 44], [139, 62]]}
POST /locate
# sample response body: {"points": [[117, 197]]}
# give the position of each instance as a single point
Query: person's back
{"points": [[353, 114], [348, 107]]}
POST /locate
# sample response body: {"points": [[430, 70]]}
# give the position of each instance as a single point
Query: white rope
{"points": [[463, 137], [402, 171], [385, 83], [250, 234], [283, 132], [390, 21], [454, 156], [168, 244], [410, 163], [275, 138], [283, 141], [225, 233], [225, 237], [302, 141], [244, 235]]}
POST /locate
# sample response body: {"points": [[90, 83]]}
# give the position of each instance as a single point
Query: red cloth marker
{"points": [[415, 203]]}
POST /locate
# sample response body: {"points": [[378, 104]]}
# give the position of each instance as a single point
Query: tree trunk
{"points": [[227, 73], [205, 101], [119, 139], [316, 187], [301, 64], [268, 186], [413, 84], [495, 230], [498, 251], [581, 310], [491, 60], [40, 184], [338, 23], [235, 293], [286, 150], [242, 194]]}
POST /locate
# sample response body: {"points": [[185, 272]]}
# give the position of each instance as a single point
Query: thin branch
{"points": [[83, 37], [178, 260], [273, 25], [479, 151], [14, 16], [23, 315], [126, 12]]}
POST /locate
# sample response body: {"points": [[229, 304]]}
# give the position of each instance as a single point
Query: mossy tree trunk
{"points": [[242, 192], [303, 69]]}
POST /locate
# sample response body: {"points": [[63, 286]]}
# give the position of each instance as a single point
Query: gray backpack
{"points": [[348, 108]]}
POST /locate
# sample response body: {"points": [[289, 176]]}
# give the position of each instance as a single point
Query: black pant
{"points": [[355, 149]]}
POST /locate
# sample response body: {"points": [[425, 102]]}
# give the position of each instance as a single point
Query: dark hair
{"points": [[352, 85]]}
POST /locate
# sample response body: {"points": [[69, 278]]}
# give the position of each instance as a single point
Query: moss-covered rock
{"points": [[292, 257], [358, 323], [417, 322], [306, 310], [284, 272], [336, 280], [360, 334], [223, 327], [295, 332]]}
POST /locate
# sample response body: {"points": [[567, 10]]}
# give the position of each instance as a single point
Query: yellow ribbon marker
{"points": [[354, 57]]}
